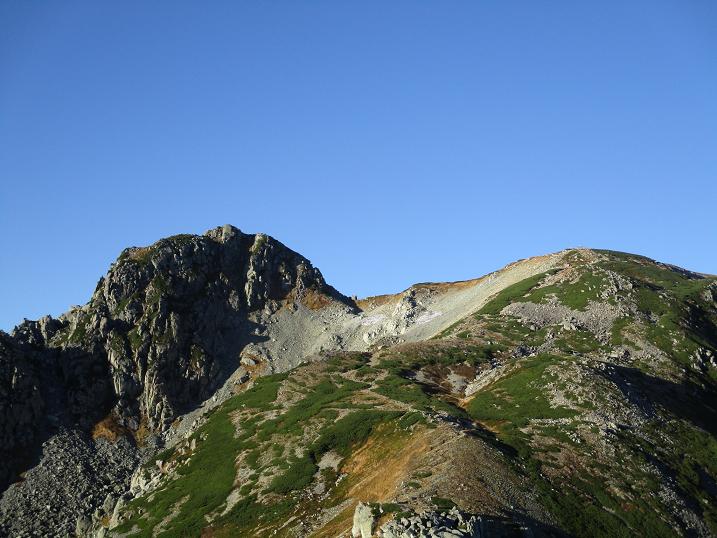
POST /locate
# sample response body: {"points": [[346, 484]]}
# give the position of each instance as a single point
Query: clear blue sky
{"points": [[389, 142]]}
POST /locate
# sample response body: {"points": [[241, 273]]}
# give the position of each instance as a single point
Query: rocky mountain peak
{"points": [[164, 328], [249, 271]]}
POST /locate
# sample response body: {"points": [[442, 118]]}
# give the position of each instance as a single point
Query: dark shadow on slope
{"points": [[460, 419], [688, 400], [519, 525], [75, 389]]}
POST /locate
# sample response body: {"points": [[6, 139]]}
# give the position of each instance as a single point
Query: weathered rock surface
{"points": [[363, 521], [75, 476], [21, 405], [162, 332], [168, 322], [451, 524]]}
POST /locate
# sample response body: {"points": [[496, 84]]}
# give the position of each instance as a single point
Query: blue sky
{"points": [[389, 142]]}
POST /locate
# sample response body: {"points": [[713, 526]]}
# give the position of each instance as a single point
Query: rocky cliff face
{"points": [[21, 406], [162, 330]]}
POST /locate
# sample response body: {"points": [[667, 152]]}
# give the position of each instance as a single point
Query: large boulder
{"points": [[363, 521]]}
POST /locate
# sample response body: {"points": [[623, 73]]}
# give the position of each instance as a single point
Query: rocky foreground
{"points": [[215, 385]]}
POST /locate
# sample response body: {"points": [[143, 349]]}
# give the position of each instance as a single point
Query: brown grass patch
{"points": [[140, 436], [369, 303], [315, 300], [375, 471], [374, 301], [465, 370], [442, 287], [339, 526], [139, 254], [108, 428]]}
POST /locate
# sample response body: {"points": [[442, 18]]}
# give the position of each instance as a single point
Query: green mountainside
{"points": [[580, 401]]}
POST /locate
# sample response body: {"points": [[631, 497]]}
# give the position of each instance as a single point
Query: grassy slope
{"points": [[294, 437], [589, 489], [619, 497]]}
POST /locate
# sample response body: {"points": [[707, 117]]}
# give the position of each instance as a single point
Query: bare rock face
{"points": [[363, 521], [162, 330], [21, 405], [450, 524]]}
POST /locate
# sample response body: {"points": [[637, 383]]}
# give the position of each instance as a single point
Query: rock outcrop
{"points": [[450, 524], [165, 327], [363, 521], [21, 405], [168, 322]]}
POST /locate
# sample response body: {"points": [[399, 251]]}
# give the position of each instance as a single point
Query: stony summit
{"points": [[217, 386]]}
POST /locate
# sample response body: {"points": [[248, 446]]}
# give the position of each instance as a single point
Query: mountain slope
{"points": [[162, 332], [580, 401], [572, 393]]}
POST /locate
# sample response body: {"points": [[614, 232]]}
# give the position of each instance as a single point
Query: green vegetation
{"points": [[407, 391], [196, 355], [249, 513], [575, 295], [210, 472], [516, 399], [409, 419], [325, 393], [178, 240], [208, 475], [262, 394], [350, 431], [123, 304], [512, 332], [512, 294], [384, 508], [620, 497], [678, 283], [585, 507], [140, 255], [277, 446], [143, 255], [617, 338], [422, 474], [584, 504], [117, 343], [439, 355], [135, 340], [259, 241], [691, 465], [442, 504], [577, 342], [679, 321], [346, 433], [298, 476], [80, 331], [156, 289]]}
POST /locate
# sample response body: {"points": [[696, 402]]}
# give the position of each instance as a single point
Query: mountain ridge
{"points": [[178, 330]]}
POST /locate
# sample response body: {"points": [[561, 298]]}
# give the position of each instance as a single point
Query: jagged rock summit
{"points": [[217, 385], [169, 320], [162, 332]]}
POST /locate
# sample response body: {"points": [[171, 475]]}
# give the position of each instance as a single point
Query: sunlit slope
{"points": [[579, 400]]}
